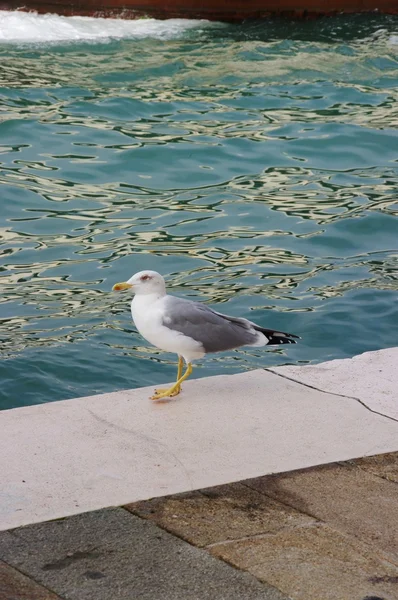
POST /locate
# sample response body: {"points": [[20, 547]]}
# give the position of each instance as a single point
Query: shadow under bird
{"points": [[190, 329]]}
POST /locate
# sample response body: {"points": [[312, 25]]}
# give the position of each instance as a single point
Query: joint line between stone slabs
{"points": [[30, 578], [268, 534], [313, 387], [208, 547], [352, 461]]}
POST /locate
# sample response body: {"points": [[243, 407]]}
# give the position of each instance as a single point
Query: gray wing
{"points": [[216, 332]]}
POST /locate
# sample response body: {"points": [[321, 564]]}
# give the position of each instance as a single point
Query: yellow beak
{"points": [[121, 286]]}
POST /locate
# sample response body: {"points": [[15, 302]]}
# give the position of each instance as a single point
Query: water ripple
{"points": [[255, 167]]}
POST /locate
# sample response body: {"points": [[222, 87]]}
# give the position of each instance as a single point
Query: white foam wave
{"points": [[20, 27]]}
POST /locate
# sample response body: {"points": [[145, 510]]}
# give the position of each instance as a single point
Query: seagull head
{"points": [[144, 282]]}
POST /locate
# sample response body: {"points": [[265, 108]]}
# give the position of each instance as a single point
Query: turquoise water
{"points": [[254, 166]]}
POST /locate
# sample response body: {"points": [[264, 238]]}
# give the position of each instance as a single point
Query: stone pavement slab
{"points": [[113, 555], [220, 514], [16, 586], [314, 563], [345, 497], [372, 377], [383, 465], [329, 534], [69, 457]]}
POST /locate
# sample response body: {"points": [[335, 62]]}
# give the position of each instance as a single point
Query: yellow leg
{"points": [[176, 388], [179, 373], [180, 366]]}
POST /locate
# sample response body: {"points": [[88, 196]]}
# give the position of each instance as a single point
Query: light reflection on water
{"points": [[254, 169]]}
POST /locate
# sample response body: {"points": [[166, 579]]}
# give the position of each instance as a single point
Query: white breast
{"points": [[148, 314]]}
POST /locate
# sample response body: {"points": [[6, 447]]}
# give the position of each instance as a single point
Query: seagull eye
{"points": [[145, 277]]}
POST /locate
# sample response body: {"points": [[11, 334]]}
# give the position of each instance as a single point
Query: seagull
{"points": [[190, 329]]}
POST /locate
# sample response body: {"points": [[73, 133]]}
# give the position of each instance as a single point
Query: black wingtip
{"points": [[275, 338]]}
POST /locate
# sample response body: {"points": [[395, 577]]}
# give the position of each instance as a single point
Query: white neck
{"points": [[146, 310], [143, 300]]}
